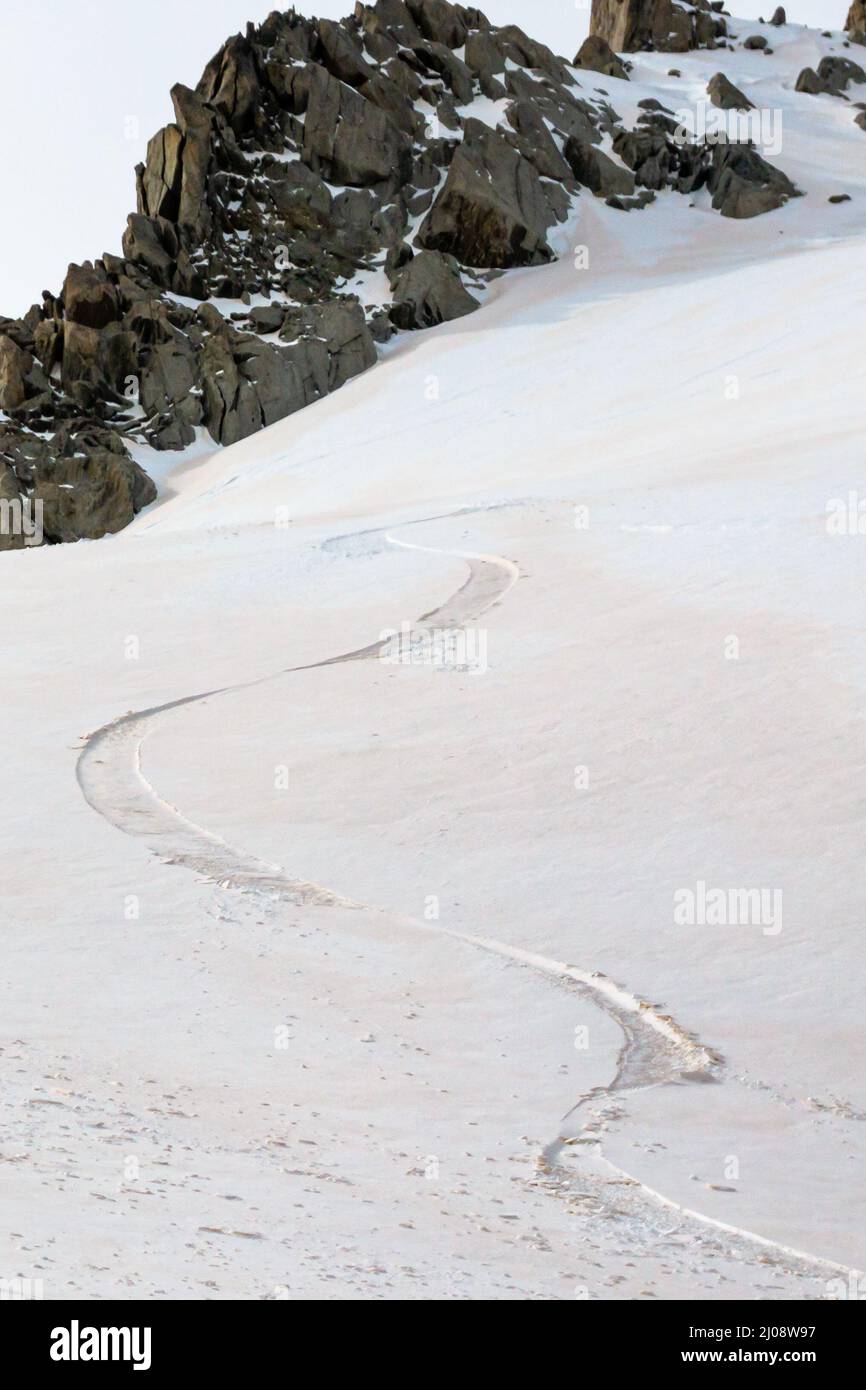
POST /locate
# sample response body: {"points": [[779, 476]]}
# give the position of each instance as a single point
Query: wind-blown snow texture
{"points": [[491, 1056]]}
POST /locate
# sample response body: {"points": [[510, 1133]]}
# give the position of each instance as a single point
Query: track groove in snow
{"points": [[656, 1050]]}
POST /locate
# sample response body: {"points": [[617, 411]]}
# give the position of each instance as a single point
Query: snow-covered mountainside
{"points": [[432, 861], [325, 186]]}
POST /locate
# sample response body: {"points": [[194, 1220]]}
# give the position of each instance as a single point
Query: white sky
{"points": [[86, 83]]}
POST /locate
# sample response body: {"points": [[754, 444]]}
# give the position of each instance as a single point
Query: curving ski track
{"points": [[656, 1051]]}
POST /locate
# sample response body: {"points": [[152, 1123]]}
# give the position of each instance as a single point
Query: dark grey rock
{"points": [[743, 184], [485, 57], [597, 171], [833, 77], [429, 291], [347, 139], [440, 21], [492, 210], [535, 141]]}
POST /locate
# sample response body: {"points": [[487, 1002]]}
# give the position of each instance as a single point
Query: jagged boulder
{"points": [[832, 78], [172, 183], [341, 326], [567, 113], [153, 244], [726, 96], [596, 55], [457, 75], [492, 210], [230, 84], [15, 364], [196, 124], [89, 298], [347, 139], [809, 83], [653, 157], [248, 384], [89, 495], [597, 171], [24, 387], [535, 142], [428, 291], [342, 54], [12, 510], [667, 25], [97, 363], [170, 393], [779, 17], [162, 174], [485, 57], [441, 22], [525, 52], [743, 184]]}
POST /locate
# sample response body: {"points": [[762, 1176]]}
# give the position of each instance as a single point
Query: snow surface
{"points": [[252, 1088]]}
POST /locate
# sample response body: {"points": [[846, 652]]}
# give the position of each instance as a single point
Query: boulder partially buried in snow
{"points": [[833, 76], [724, 94], [743, 184], [428, 290], [596, 55]]}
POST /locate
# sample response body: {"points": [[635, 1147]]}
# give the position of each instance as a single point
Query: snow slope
{"points": [[487, 1061]]}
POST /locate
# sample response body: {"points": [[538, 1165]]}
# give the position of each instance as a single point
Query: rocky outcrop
{"points": [[312, 159], [742, 183], [855, 24], [493, 210], [80, 484], [672, 26], [15, 365]]}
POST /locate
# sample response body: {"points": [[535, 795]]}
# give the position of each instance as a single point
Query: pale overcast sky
{"points": [[86, 83]]}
